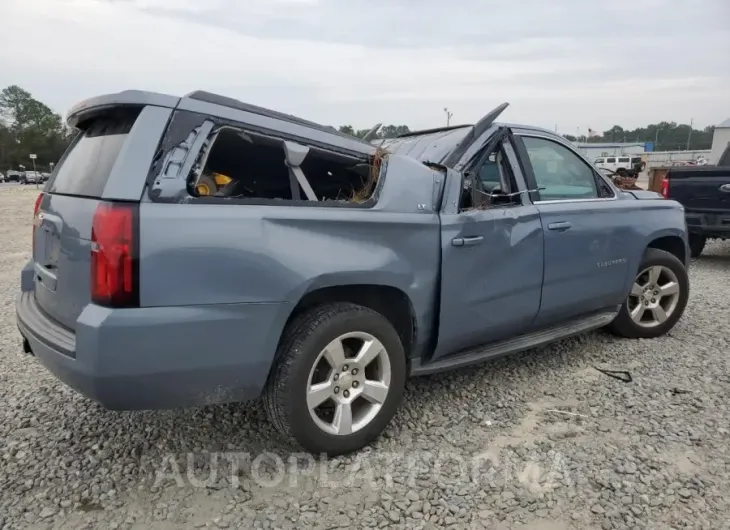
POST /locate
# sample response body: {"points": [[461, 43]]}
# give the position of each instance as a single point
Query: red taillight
{"points": [[114, 265], [36, 209], [665, 187]]}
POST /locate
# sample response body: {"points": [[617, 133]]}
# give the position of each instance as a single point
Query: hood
{"points": [[644, 194]]}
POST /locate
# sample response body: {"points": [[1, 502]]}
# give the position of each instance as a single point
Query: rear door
{"points": [[100, 155]]}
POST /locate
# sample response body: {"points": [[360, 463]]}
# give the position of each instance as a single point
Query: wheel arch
{"points": [[673, 244], [669, 240], [624, 324], [391, 302]]}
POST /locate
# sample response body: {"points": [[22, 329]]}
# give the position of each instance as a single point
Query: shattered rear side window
{"points": [[239, 165]]}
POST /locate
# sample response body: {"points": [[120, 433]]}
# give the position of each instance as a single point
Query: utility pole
{"points": [[449, 114], [35, 172], [689, 136]]}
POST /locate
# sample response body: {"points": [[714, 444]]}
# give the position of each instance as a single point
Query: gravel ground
{"points": [[539, 441]]}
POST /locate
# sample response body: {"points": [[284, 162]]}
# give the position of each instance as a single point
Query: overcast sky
{"points": [[570, 63]]}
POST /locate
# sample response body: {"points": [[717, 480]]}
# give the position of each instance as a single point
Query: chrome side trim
{"points": [[563, 201]]}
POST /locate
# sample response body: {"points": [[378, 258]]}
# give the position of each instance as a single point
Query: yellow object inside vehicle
{"points": [[210, 183]]}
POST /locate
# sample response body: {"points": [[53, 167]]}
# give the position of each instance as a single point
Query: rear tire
{"points": [[306, 353], [658, 297], [696, 245]]}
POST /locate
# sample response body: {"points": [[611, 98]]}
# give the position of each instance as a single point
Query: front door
{"points": [[586, 263], [492, 261]]}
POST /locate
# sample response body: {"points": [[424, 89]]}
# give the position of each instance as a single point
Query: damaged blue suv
{"points": [[199, 250]]}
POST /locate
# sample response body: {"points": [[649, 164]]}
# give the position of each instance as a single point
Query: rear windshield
{"points": [[85, 168]]}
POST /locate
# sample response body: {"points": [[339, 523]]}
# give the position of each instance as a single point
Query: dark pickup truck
{"points": [[704, 191]]}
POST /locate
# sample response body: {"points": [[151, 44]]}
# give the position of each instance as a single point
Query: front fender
{"points": [[681, 233], [650, 237]]}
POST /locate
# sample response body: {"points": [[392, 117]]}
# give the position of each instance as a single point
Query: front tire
{"points": [[696, 245], [657, 299], [338, 379]]}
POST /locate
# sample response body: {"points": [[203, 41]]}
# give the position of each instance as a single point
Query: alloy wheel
{"points": [[654, 296], [348, 383]]}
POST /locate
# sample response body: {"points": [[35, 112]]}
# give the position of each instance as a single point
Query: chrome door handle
{"points": [[562, 225], [466, 241], [725, 188]]}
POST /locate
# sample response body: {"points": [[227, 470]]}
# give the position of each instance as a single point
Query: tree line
{"points": [[666, 136], [28, 126], [386, 131]]}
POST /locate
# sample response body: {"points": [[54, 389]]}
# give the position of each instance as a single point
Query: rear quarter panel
{"points": [[212, 254]]}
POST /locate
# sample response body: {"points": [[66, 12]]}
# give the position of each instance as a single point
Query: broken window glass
{"points": [[241, 165]]}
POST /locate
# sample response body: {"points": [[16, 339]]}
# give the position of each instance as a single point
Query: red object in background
{"points": [[665, 187], [36, 209]]}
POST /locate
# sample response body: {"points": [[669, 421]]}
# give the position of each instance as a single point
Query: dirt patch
{"points": [[548, 524], [685, 462], [540, 421]]}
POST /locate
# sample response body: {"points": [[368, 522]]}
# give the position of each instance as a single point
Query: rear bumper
{"points": [[708, 224], [159, 357]]}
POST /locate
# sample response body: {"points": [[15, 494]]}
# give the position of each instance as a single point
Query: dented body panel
{"points": [[277, 254], [220, 277]]}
